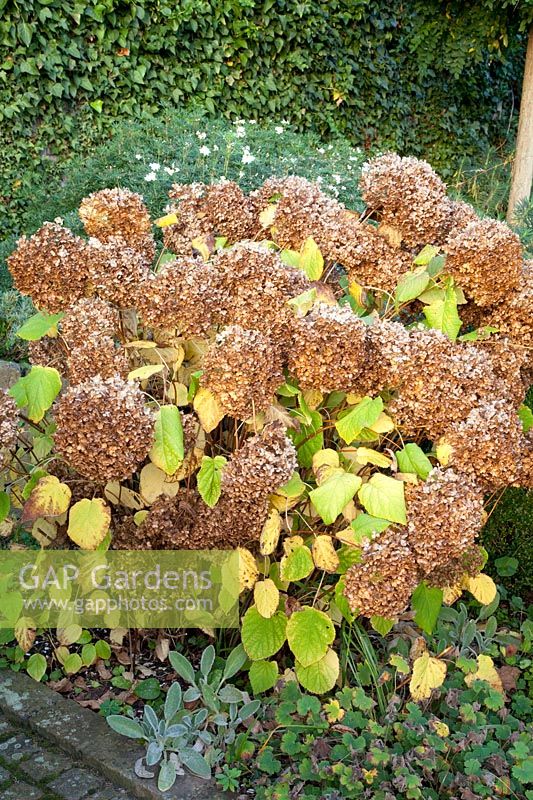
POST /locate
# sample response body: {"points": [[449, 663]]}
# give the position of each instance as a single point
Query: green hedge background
{"points": [[426, 77]]}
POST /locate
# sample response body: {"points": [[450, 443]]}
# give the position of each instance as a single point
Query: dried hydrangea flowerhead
{"points": [[228, 211], [117, 272], [98, 355], [329, 350], [514, 315], [233, 522], [8, 425], [119, 212], [184, 295], [86, 316], [440, 383], [51, 267], [263, 464], [104, 429], [485, 258], [409, 196], [461, 215], [50, 351], [486, 446], [186, 202], [445, 514], [389, 355], [170, 522], [383, 582], [370, 260], [255, 286], [242, 369], [468, 563]]}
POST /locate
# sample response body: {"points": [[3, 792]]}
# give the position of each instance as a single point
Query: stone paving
{"points": [[33, 769]]}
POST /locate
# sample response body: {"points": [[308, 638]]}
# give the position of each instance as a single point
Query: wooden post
{"points": [[523, 161]]}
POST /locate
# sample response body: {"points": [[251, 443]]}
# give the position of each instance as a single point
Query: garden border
{"points": [[86, 736]]}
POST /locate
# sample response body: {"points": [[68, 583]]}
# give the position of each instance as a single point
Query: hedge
{"points": [[422, 77]]}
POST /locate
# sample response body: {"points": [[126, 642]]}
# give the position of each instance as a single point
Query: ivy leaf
{"points": [[88, 523], [309, 634], [384, 497], [363, 415], [262, 637], [263, 675], [37, 390], [50, 498], [167, 452], [321, 676], [413, 459], [442, 314], [38, 326], [334, 494], [209, 479], [427, 603]]}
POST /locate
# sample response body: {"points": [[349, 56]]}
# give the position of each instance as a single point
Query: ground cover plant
{"points": [[321, 388]]}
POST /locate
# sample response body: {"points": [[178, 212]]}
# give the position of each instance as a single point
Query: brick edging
{"points": [[87, 736]]}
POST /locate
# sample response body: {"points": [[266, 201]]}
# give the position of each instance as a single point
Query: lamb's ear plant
{"points": [[197, 724]]}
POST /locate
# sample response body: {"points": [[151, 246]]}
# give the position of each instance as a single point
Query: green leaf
{"points": [[411, 285], [72, 664], [263, 675], [292, 259], [262, 636], [167, 452], [37, 390], [384, 497], [149, 689], [363, 415], [103, 650], [426, 255], [381, 624], [442, 314], [173, 701], [413, 459], [38, 326], [526, 417], [97, 105], [36, 666], [88, 654], [506, 566], [309, 634], [303, 302], [305, 442], [195, 762], [321, 676], [334, 494], [311, 260], [209, 479], [182, 666], [167, 776], [4, 505], [427, 603], [125, 726], [297, 565], [235, 662], [365, 526]]}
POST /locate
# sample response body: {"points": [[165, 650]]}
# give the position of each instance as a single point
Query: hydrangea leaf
{"points": [[36, 666], [311, 260], [309, 634], [266, 596], [427, 603], [363, 415], [268, 541], [334, 494], [411, 285], [248, 572], [208, 409], [324, 553], [297, 565], [482, 587], [526, 417], [50, 498], [89, 522], [413, 459], [41, 324], [364, 526], [262, 637], [442, 314], [426, 255], [321, 676], [263, 675], [381, 625], [167, 452], [428, 674], [209, 479], [37, 390], [384, 497]]}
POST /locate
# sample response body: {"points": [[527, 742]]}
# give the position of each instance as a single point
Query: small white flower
{"points": [[169, 170], [252, 122], [215, 147], [150, 177], [279, 129], [336, 178], [247, 157], [154, 166], [321, 150], [204, 150], [240, 132], [201, 135], [138, 156]]}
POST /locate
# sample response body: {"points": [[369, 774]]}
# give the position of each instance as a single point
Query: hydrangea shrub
{"points": [[336, 394]]}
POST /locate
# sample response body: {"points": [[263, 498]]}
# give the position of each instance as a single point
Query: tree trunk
{"points": [[523, 162]]}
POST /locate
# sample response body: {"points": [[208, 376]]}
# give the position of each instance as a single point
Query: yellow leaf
{"points": [[50, 498], [69, 635], [290, 543], [44, 531], [327, 457], [365, 455], [139, 517], [141, 344], [324, 553], [88, 523], [269, 538], [266, 596], [358, 293], [208, 410], [313, 398], [428, 674], [154, 482], [121, 495], [443, 452], [25, 634], [486, 671], [383, 424], [168, 219], [267, 215], [201, 245], [145, 372], [451, 593], [441, 729], [482, 587], [248, 572]]}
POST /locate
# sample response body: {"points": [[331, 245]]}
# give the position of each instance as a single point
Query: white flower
{"points": [[252, 122], [155, 166], [279, 129], [240, 132], [336, 178], [138, 156], [169, 170], [247, 157], [204, 150], [150, 177], [215, 147], [201, 135], [321, 150]]}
